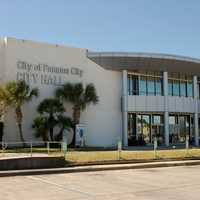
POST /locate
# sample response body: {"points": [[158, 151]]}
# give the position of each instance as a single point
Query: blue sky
{"points": [[162, 26]]}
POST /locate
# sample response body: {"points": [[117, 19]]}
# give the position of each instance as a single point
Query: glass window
{"points": [[170, 87], [172, 120], [180, 126], [139, 125], [183, 89], [176, 88], [189, 89], [198, 89], [146, 120], [150, 86], [131, 128], [146, 84], [129, 84], [181, 86], [146, 128], [135, 85], [143, 85], [129, 88], [157, 119], [187, 123], [158, 84]]}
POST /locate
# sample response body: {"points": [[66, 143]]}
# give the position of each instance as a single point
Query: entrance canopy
{"points": [[146, 61]]}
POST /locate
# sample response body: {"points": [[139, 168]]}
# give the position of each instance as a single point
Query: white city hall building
{"points": [[140, 94]]}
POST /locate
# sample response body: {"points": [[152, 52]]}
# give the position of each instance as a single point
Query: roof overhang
{"points": [[146, 61]]}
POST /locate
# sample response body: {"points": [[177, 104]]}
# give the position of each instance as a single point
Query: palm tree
{"points": [[64, 123], [40, 125], [3, 108], [20, 93], [79, 97], [51, 108]]}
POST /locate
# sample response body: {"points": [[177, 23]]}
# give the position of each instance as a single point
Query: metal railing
{"points": [[33, 147], [88, 154]]}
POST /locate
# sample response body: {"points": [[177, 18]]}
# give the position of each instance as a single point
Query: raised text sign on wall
{"points": [[45, 74]]}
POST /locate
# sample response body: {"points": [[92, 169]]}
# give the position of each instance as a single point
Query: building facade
{"points": [[141, 95], [160, 97]]}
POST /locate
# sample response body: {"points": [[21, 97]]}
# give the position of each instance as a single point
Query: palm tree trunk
{"points": [[19, 117], [21, 133], [1, 131], [76, 120], [51, 133], [59, 137], [45, 137], [76, 114], [74, 137], [51, 119]]}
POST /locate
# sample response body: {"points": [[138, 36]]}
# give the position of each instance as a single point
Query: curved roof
{"points": [[146, 61]]}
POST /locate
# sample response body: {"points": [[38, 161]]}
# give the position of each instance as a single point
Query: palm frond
{"points": [[90, 95], [33, 93], [50, 106], [19, 93]]}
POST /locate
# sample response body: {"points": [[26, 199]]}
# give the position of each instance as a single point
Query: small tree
{"points": [[79, 97], [40, 125], [64, 123], [51, 108], [3, 109], [20, 93]]}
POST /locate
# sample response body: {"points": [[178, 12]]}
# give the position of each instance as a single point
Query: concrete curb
{"points": [[37, 162], [98, 168]]}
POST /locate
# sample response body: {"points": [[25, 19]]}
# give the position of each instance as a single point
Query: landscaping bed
{"points": [[76, 157]]}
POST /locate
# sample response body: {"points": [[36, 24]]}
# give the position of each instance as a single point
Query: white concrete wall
{"points": [[2, 59], [103, 121]]}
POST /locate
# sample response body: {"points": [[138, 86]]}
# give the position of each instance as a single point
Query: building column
{"points": [[124, 108], [196, 115], [166, 115]]}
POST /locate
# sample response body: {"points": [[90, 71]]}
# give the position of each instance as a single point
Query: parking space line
{"points": [[58, 185]]}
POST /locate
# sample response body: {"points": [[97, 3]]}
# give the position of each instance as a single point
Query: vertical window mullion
{"points": [[133, 85], [146, 85], [186, 86], [139, 85], [131, 88], [128, 84]]}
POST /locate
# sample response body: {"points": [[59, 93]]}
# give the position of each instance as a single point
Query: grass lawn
{"points": [[93, 156]]}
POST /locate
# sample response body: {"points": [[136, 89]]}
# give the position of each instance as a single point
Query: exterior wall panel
{"points": [[181, 104], [103, 121], [2, 59], [157, 104]]}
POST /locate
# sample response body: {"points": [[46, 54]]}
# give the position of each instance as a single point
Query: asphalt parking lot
{"points": [[149, 184]]}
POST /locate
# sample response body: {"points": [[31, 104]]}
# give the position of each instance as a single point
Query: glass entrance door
{"points": [[146, 131], [157, 128], [143, 133], [143, 127], [179, 127]]}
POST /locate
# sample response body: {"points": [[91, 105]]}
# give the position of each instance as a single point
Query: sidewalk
{"points": [[99, 168]]}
